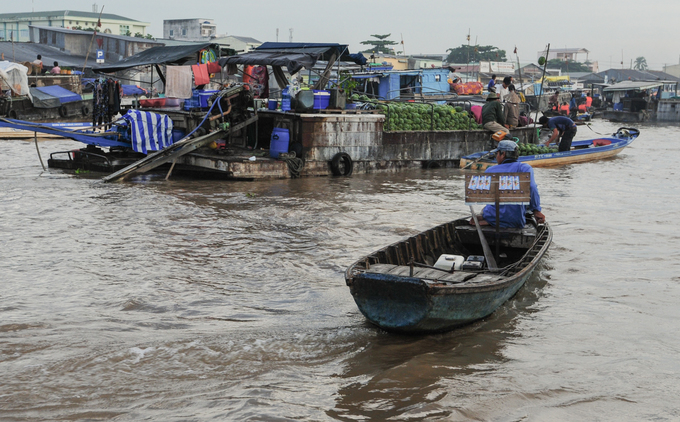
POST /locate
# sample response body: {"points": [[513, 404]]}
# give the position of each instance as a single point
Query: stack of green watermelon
{"points": [[410, 116], [532, 149], [418, 117]]}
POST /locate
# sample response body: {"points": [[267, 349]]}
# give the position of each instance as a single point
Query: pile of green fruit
{"points": [[418, 116], [532, 149], [410, 116]]}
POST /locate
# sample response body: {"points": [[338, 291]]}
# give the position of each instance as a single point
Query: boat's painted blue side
{"points": [[101, 139], [579, 152], [407, 304]]}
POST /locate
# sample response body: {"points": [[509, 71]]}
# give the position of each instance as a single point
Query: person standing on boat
{"points": [[561, 126], [492, 84], [38, 63], [514, 216], [511, 108], [507, 81], [492, 114]]}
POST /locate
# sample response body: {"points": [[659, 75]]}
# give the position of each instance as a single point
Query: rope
{"points": [[294, 166], [601, 134]]}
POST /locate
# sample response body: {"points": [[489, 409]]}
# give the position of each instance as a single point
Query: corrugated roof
{"points": [[28, 51], [64, 14], [102, 34], [632, 85]]}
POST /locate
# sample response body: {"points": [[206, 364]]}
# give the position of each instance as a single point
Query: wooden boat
{"points": [[581, 151], [398, 288]]}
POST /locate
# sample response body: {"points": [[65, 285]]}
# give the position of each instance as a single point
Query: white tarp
{"points": [[14, 76]]}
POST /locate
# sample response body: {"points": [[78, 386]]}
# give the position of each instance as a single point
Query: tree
{"points": [[475, 53], [568, 66], [640, 63], [379, 45], [139, 35]]}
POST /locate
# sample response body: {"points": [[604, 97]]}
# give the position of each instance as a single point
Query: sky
{"points": [[614, 31]]}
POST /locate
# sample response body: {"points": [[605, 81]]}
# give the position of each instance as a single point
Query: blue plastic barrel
{"points": [[279, 142]]}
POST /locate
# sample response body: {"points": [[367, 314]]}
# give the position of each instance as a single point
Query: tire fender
{"points": [[344, 158], [85, 110], [63, 112]]}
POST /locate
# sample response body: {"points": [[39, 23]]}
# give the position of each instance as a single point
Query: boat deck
{"points": [[433, 274]]}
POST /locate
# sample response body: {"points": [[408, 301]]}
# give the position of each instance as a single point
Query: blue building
{"points": [[422, 84]]}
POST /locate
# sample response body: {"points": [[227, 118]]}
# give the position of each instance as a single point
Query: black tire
{"points": [[342, 165], [296, 147], [85, 110], [63, 112], [12, 114], [432, 165]]}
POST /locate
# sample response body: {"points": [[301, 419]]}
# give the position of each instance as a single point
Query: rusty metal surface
{"points": [[323, 135]]}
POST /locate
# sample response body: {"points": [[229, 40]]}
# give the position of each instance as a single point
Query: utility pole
{"points": [[290, 37], [467, 69]]}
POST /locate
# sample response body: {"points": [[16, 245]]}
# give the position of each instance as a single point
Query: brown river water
{"points": [[194, 300]]}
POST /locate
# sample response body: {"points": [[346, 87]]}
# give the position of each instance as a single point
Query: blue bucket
{"points": [[279, 142]]}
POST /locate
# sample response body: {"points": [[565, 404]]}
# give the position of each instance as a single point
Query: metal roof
{"points": [[28, 51], [64, 14], [633, 86], [99, 34]]}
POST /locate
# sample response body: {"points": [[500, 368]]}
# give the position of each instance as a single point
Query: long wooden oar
{"points": [[485, 245], [467, 166]]}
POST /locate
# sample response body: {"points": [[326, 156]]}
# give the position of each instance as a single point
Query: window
{"points": [[184, 31], [437, 78], [172, 32], [124, 29]]}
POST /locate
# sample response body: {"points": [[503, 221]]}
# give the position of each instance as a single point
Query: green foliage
{"points": [[347, 84], [148, 36], [425, 117], [139, 35], [568, 66], [475, 54], [640, 63], [379, 45]]}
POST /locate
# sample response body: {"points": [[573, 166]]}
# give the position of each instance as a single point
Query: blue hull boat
{"points": [[581, 152], [402, 287]]}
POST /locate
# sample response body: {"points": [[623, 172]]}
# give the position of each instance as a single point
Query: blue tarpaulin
{"points": [[63, 94]]}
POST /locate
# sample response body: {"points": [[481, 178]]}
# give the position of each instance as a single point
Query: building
{"points": [[81, 43], [673, 69], [237, 43], [196, 29], [571, 54], [15, 26]]}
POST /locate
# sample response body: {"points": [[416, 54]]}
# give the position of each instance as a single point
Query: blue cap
{"points": [[505, 146]]}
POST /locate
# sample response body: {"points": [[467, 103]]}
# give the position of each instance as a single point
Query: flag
{"points": [[515, 52], [99, 22]]}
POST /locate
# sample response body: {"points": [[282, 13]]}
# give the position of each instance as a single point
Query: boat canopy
{"points": [[173, 55], [294, 56], [633, 86]]}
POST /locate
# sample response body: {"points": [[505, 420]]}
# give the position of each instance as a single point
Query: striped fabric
{"points": [[149, 131]]}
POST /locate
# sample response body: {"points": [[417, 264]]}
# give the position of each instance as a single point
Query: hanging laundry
{"points": [[201, 76], [178, 82], [214, 67]]}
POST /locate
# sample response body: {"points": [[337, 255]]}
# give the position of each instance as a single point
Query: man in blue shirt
{"points": [[507, 154], [492, 84], [561, 126]]}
